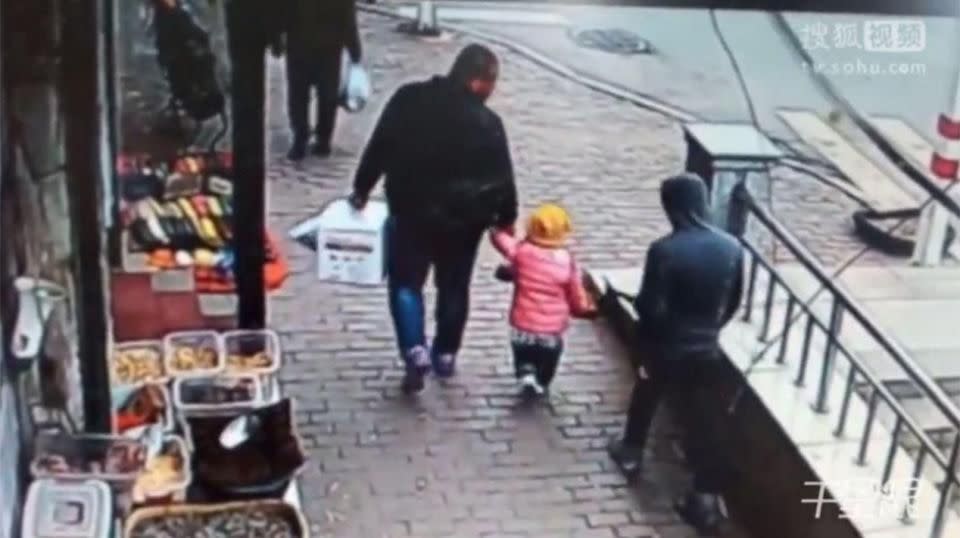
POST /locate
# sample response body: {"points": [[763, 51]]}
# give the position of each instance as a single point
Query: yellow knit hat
{"points": [[549, 226]]}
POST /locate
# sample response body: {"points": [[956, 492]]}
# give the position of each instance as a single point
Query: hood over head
{"points": [[684, 199]]}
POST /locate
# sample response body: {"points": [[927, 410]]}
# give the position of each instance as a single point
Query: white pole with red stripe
{"points": [[945, 164]]}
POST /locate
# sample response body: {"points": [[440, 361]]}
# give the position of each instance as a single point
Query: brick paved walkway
{"points": [[464, 459]]}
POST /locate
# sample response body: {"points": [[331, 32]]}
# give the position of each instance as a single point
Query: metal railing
{"points": [[843, 305]]}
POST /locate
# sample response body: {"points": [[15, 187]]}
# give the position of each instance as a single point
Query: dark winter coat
{"points": [[322, 27], [445, 159], [693, 279]]}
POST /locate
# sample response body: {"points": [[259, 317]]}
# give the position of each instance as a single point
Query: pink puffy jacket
{"points": [[547, 285]]}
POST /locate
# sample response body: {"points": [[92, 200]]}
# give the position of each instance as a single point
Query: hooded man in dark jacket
{"points": [[448, 178], [692, 286], [317, 32]]}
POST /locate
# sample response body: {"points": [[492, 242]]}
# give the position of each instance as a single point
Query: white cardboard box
{"points": [[351, 245]]}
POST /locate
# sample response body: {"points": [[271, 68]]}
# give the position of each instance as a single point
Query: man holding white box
{"points": [[448, 178]]}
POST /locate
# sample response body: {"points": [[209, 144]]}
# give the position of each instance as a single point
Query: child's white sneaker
{"points": [[529, 386]]}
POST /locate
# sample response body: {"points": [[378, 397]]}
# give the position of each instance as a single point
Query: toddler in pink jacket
{"points": [[548, 291]]}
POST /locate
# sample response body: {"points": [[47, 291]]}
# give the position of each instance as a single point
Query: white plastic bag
{"points": [[354, 85]]}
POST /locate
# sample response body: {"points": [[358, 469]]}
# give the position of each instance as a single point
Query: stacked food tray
{"points": [[150, 462], [139, 387]]}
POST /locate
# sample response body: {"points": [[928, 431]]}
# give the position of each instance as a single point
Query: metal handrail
{"points": [[883, 392], [899, 354], [843, 303]]}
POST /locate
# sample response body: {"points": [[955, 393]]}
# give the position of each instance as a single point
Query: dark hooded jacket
{"points": [[445, 159], [693, 278]]}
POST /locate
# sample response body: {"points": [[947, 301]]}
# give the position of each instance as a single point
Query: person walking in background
{"points": [[448, 178], [692, 287], [548, 289], [317, 32]]}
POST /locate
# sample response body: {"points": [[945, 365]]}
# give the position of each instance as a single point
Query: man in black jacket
{"points": [[449, 177], [692, 287], [317, 31]]}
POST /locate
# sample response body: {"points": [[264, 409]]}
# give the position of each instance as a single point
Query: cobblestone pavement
{"points": [[464, 459]]}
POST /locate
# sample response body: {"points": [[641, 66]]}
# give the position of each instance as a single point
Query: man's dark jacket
{"points": [[321, 27], [693, 279], [445, 159]]}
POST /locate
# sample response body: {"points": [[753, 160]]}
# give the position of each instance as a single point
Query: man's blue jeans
{"points": [[411, 252]]}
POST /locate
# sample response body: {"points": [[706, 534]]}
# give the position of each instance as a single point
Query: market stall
{"points": [[174, 184], [203, 444]]}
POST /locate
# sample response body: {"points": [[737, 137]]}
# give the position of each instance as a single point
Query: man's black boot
{"points": [[412, 382], [319, 149], [701, 511], [628, 458], [298, 150]]}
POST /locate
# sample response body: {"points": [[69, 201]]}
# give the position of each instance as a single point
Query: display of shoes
{"points": [[182, 217]]}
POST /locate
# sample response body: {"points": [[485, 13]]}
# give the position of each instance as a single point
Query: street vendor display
{"points": [[165, 471], [178, 215]]}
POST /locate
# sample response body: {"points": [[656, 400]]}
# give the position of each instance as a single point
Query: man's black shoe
{"points": [[298, 151], [628, 459], [700, 511], [320, 150], [412, 382]]}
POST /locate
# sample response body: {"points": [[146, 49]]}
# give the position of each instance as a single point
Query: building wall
{"points": [[34, 239]]}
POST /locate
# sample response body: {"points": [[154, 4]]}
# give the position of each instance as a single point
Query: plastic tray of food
{"points": [[252, 352], [133, 363], [250, 519], [166, 476], [217, 394], [111, 458], [139, 406], [192, 354]]}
